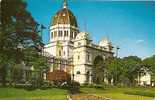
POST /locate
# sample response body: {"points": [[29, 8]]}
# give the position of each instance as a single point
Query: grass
{"points": [[141, 93], [21, 94], [119, 93], [60, 94]]}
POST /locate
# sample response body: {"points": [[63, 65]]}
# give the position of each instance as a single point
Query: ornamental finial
{"points": [[65, 4]]}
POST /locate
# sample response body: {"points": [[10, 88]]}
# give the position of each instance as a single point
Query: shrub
{"points": [[46, 85], [74, 87]]}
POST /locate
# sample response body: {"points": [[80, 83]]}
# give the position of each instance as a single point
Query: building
{"points": [[68, 43], [144, 76]]}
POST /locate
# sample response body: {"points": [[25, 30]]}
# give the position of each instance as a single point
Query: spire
{"points": [[65, 4]]}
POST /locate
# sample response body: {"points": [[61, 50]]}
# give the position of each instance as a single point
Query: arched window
{"points": [[51, 34], [64, 53], [65, 33], [59, 33], [55, 34], [75, 34], [59, 52], [79, 43], [71, 34], [78, 72], [88, 57]]}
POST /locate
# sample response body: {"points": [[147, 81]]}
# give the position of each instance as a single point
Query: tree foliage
{"points": [[114, 69], [18, 37], [117, 70], [130, 68]]}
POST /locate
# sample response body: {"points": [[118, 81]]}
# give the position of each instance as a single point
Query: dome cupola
{"points": [[64, 16], [64, 25]]}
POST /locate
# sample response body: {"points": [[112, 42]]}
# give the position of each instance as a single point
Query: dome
{"points": [[64, 16], [83, 35]]}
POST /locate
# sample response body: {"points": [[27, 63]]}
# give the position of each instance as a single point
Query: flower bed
{"points": [[87, 97]]}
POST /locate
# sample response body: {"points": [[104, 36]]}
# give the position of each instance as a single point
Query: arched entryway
{"points": [[98, 70]]}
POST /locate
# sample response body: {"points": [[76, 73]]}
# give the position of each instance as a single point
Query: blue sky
{"points": [[130, 25]]}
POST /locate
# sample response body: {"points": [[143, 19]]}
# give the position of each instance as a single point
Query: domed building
{"points": [[71, 50], [63, 30]]}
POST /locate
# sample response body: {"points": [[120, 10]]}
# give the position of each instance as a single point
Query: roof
{"points": [[64, 16]]}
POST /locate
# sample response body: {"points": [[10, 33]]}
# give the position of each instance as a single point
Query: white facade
{"points": [[85, 52], [144, 77]]}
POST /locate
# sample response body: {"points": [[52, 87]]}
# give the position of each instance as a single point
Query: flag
{"points": [[43, 27]]}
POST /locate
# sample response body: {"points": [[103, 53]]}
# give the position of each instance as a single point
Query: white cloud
{"points": [[139, 41]]}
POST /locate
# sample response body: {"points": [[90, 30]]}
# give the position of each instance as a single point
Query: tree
{"points": [[130, 68], [114, 68], [18, 31], [37, 60]]}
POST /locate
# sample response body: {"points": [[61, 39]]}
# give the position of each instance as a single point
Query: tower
{"points": [[63, 30]]}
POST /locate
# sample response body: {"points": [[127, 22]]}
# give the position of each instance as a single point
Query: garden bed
{"points": [[87, 97]]}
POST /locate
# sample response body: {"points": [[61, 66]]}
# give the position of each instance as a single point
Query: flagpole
{"points": [[42, 27]]}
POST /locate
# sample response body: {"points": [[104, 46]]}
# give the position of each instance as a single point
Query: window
{"points": [[88, 72], [59, 34], [88, 58], [64, 53], [78, 72], [64, 14], [79, 43], [75, 34], [71, 34], [55, 33], [78, 57], [59, 52], [65, 33], [51, 34]]}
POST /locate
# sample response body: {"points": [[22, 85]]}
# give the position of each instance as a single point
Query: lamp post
{"points": [[117, 48]]}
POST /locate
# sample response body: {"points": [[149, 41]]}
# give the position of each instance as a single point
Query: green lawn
{"points": [[119, 93], [60, 94], [21, 94]]}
